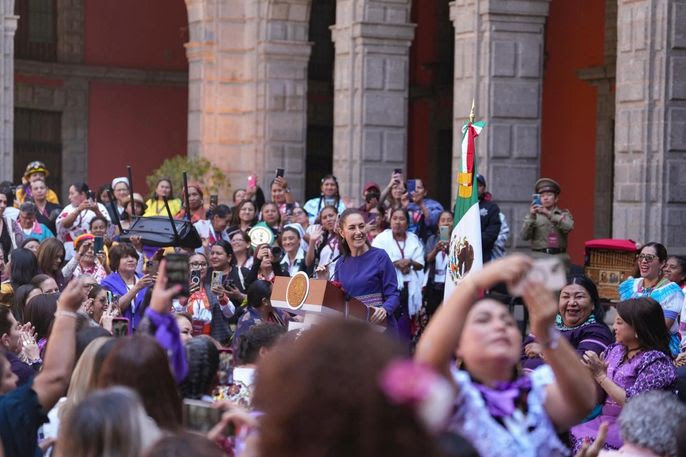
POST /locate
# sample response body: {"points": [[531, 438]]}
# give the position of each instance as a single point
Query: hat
{"points": [[36, 167], [480, 179], [137, 198], [81, 239], [547, 185], [120, 179], [371, 185], [196, 185]]}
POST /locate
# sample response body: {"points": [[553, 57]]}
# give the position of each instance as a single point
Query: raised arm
{"points": [[51, 383], [442, 336]]}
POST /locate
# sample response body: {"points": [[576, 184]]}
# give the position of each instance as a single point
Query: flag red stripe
{"points": [[471, 135]]}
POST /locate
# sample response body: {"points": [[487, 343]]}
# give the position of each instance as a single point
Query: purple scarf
{"points": [[500, 400]]}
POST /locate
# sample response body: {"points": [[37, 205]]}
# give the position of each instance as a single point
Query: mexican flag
{"points": [[464, 253]]}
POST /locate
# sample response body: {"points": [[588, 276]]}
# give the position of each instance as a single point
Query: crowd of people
{"points": [[103, 353]]}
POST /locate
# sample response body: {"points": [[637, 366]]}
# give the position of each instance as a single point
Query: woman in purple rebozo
{"points": [[366, 273], [639, 361]]}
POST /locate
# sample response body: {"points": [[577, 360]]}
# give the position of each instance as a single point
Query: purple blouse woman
{"points": [[580, 320], [638, 362], [366, 273]]}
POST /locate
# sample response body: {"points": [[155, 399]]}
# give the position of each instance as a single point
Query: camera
{"points": [[90, 195], [277, 254]]}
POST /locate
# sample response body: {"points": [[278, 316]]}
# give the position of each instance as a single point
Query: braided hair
{"points": [[203, 363]]}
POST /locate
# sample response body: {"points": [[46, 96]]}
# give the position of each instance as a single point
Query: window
{"points": [[36, 37], [38, 136]]}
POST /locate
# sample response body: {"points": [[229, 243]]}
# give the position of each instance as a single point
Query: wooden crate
{"points": [[607, 279], [612, 259]]}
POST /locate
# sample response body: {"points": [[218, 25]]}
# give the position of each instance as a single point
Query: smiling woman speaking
{"points": [[366, 273], [579, 319], [650, 282]]}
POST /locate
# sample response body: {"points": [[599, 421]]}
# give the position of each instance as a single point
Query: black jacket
{"points": [[490, 226]]}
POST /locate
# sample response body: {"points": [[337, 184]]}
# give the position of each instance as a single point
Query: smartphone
{"points": [[120, 326], [279, 172], [549, 271], [411, 186], [151, 267], [195, 279], [200, 416], [289, 209], [110, 298], [536, 200], [98, 244], [214, 200], [228, 283], [252, 182], [217, 277], [398, 171], [444, 232], [178, 272]]}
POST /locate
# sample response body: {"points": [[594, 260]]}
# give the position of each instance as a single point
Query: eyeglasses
{"points": [[646, 258], [198, 264]]}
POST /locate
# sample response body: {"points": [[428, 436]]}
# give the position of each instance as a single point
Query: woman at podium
{"points": [[365, 272]]}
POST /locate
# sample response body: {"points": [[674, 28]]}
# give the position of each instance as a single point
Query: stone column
{"points": [[247, 87], [372, 40], [8, 22], [650, 129], [282, 56], [499, 64]]}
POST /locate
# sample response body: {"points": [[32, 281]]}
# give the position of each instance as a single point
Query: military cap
{"points": [[547, 185]]}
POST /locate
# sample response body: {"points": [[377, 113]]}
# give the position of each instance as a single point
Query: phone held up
{"points": [[536, 200], [201, 416], [252, 181], [549, 271], [98, 244], [279, 172], [178, 272], [444, 232], [214, 200], [411, 186]]}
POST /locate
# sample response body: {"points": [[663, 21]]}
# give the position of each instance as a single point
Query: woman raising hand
{"points": [[501, 412]]}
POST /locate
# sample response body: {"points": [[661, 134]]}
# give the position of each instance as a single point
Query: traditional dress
{"points": [[371, 278], [668, 294], [409, 284], [210, 316], [497, 429], [647, 370], [588, 336], [80, 226]]}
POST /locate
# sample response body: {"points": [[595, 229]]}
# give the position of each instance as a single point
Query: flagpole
{"points": [[472, 115]]}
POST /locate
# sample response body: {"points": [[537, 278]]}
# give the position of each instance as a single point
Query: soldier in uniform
{"points": [[546, 225]]}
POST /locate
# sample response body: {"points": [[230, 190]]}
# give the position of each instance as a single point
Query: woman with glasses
{"points": [[210, 312], [649, 281]]}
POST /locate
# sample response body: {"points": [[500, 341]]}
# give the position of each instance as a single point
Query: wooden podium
{"points": [[315, 299]]}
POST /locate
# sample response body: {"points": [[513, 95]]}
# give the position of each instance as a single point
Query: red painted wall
{"points": [[574, 40], [134, 125], [422, 52], [136, 33]]}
